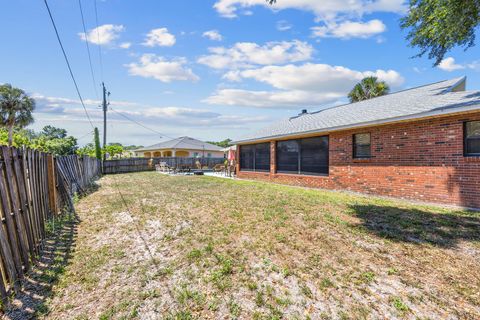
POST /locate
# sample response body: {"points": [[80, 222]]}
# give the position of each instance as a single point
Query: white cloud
{"points": [[213, 35], [283, 25], [349, 29], [159, 38], [189, 117], [71, 108], [125, 45], [448, 64], [171, 120], [157, 67], [103, 35], [269, 99], [417, 70], [48, 104], [323, 10], [313, 77], [247, 54], [307, 84], [391, 77], [475, 65]]}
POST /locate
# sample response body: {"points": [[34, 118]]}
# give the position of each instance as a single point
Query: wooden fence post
{"points": [[52, 190]]}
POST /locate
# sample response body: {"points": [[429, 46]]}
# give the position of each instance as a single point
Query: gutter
{"points": [[416, 116]]}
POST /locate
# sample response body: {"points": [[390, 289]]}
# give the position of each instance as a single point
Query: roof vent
{"points": [[304, 112]]}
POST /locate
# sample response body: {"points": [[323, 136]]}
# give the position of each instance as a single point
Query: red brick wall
{"points": [[420, 160]]}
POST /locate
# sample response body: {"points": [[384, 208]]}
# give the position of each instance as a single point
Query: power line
{"points": [[85, 135], [98, 40], [145, 127], [68, 63], [138, 123], [88, 49]]}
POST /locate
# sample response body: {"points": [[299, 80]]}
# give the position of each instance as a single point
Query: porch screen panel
{"points": [[314, 155], [288, 156], [262, 157], [246, 157]]}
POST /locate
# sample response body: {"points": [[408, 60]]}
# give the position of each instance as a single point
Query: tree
{"points": [[96, 140], [55, 140], [131, 147], [87, 150], [113, 149], [224, 143], [368, 88], [58, 146], [53, 132], [21, 137], [437, 26], [16, 109]]}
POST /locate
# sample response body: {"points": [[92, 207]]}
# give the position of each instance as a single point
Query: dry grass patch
{"points": [[208, 248]]}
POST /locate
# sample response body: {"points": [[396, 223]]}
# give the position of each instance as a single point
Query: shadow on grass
{"points": [[30, 301], [417, 226]]}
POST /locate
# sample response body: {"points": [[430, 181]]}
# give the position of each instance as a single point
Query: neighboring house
{"points": [[421, 143], [181, 147]]}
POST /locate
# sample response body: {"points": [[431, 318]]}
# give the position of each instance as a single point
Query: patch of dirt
{"points": [[207, 248]]}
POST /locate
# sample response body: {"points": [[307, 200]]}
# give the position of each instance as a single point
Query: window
{"points": [[246, 157], [472, 138], [314, 155], [262, 157], [209, 155], [255, 157], [303, 156], [362, 145], [287, 156], [195, 154]]}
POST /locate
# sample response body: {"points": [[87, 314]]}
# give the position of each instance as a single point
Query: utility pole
{"points": [[104, 106]]}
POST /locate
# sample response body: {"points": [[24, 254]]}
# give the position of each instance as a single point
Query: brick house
{"points": [[419, 144]]}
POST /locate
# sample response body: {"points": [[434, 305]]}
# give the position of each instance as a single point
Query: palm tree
{"points": [[368, 88], [16, 109]]}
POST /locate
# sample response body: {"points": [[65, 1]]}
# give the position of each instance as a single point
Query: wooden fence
{"points": [[34, 188], [146, 164]]}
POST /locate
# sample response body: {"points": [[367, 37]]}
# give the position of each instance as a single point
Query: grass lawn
{"points": [[208, 248]]}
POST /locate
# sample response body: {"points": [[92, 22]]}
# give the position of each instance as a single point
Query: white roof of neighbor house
{"points": [[183, 143], [439, 98]]}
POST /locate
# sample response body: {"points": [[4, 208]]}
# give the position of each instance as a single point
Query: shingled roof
{"points": [[183, 143], [438, 98]]}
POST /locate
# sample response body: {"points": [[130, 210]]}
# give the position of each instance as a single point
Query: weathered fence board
{"points": [[34, 188], [146, 164]]}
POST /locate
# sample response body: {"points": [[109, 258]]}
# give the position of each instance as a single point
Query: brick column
{"points": [[273, 157]]}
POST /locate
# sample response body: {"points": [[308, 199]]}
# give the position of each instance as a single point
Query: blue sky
{"points": [[208, 69]]}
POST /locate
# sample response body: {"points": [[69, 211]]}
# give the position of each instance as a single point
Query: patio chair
{"points": [[163, 167], [183, 168], [218, 168]]}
